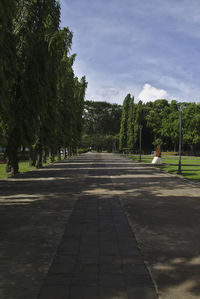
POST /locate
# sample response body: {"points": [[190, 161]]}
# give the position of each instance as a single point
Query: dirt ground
{"points": [[163, 211]]}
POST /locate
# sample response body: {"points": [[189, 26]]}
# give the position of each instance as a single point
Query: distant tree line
{"points": [[112, 127], [160, 125], [101, 123], [41, 101]]}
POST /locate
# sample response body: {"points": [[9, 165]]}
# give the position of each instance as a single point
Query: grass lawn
{"points": [[23, 167], [190, 166]]}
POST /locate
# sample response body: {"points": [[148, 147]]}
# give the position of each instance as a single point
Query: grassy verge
{"points": [[23, 167], [190, 166]]}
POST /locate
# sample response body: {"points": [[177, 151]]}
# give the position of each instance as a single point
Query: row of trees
{"points": [[160, 125], [41, 101], [101, 126]]}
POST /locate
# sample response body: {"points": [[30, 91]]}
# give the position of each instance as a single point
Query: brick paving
{"points": [[98, 256]]}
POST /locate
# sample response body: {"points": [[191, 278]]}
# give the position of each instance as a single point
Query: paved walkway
{"points": [[98, 256], [66, 231]]}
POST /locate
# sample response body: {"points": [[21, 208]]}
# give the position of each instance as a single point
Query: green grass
{"points": [[190, 166], [3, 174], [189, 172], [23, 167]]}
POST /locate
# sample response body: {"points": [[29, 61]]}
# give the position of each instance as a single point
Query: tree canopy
{"points": [[41, 100], [101, 124], [160, 125]]}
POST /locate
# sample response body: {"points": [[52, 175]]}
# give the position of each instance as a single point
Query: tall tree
{"points": [[170, 125], [123, 135], [101, 125], [191, 126], [130, 125], [154, 120], [8, 92], [79, 96]]}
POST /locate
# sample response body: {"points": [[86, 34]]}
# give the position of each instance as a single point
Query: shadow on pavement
{"points": [[163, 211]]}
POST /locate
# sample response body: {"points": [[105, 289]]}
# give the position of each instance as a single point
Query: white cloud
{"points": [[150, 93], [108, 93]]}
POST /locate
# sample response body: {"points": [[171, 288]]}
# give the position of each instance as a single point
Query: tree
{"points": [[79, 96], [130, 125], [41, 101], [101, 124], [154, 120], [191, 125], [170, 125], [123, 135], [8, 118]]}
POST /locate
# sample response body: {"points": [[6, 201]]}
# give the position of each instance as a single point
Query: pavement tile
{"points": [[86, 268], [106, 236], [141, 293], [107, 228], [128, 249], [54, 292], [85, 279], [124, 229], [75, 220], [83, 292], [111, 280], [109, 248], [88, 259], [58, 279], [68, 250], [62, 268], [125, 236], [89, 252], [98, 256], [113, 293], [73, 232], [90, 243], [128, 260], [64, 259], [76, 235], [89, 235], [135, 269], [138, 280], [91, 229], [111, 264]]}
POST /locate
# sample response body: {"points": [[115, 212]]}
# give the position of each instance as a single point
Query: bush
{"points": [[83, 150]]}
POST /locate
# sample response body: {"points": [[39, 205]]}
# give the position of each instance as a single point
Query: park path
{"points": [[98, 256], [83, 229]]}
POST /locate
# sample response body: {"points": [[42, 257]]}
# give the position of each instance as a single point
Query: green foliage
{"points": [[123, 135], [130, 125], [41, 101], [160, 125], [101, 124]]}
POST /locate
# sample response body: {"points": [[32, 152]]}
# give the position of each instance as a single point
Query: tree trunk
{"points": [[45, 156], [32, 156], [65, 153], [39, 156], [69, 151], [51, 155], [12, 160], [58, 154]]}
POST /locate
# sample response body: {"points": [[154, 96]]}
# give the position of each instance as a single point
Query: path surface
{"points": [[65, 234]]}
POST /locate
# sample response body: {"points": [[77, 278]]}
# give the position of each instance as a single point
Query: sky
{"points": [[149, 48]]}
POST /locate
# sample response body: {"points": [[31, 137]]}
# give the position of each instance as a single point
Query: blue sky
{"points": [[149, 48]]}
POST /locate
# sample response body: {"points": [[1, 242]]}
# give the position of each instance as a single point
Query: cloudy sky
{"points": [[149, 48]]}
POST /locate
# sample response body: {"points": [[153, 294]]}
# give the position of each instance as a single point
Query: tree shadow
{"points": [[163, 211], [164, 214]]}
